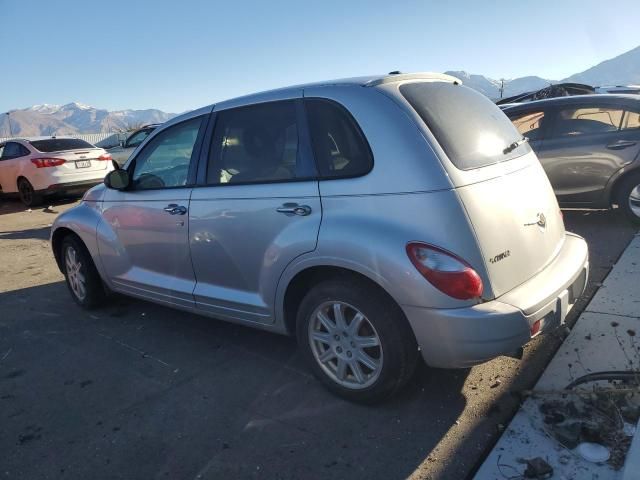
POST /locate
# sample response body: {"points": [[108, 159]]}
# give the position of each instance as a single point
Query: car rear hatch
{"points": [[498, 179], [78, 156]]}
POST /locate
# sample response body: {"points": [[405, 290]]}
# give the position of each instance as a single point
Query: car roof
{"points": [[366, 81], [598, 98], [363, 81]]}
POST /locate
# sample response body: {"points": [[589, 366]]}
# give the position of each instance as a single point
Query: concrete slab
{"points": [[598, 342], [619, 294]]}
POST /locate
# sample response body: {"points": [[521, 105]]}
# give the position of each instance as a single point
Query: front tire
{"points": [[83, 280], [27, 194], [356, 340], [628, 198]]}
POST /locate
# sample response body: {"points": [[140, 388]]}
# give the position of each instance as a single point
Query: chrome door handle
{"points": [[620, 144], [294, 209], [175, 209]]}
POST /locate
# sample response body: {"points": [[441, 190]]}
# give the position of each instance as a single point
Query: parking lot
{"points": [[136, 390]]}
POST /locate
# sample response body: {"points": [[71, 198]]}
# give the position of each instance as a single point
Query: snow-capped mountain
{"points": [[75, 117], [48, 119]]}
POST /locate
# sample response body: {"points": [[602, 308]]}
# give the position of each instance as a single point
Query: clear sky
{"points": [[181, 54]]}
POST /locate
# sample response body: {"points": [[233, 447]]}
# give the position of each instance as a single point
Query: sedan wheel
{"points": [[634, 201], [27, 194], [628, 197], [345, 345]]}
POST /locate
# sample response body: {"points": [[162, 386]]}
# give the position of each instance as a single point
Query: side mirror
{"points": [[117, 179], [121, 143]]}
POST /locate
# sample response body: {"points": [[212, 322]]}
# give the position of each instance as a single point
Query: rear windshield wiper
{"points": [[515, 145]]}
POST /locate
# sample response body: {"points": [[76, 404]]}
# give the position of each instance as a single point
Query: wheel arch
{"points": [[305, 278], [614, 183], [57, 237]]}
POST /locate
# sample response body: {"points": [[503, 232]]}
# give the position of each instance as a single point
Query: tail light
{"points": [[105, 156], [445, 271], [47, 162]]}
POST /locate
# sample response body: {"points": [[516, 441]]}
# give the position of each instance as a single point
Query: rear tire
{"points": [[27, 194], [628, 198], [83, 280], [356, 340]]}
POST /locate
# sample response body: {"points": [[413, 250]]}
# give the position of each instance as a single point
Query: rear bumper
{"points": [[71, 187], [463, 337]]}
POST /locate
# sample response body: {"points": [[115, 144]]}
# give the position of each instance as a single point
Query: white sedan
{"points": [[35, 168]]}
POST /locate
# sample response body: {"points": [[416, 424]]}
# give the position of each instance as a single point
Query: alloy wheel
{"points": [[345, 344], [75, 276]]}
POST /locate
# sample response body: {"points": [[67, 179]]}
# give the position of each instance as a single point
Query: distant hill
{"points": [[76, 118], [621, 70], [491, 87]]}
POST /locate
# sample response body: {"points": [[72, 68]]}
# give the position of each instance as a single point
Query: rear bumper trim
{"points": [[463, 337]]}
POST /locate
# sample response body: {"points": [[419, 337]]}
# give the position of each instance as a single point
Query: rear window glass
{"points": [[60, 144], [471, 129]]}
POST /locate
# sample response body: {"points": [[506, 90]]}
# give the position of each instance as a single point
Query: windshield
{"points": [[471, 129], [60, 144], [137, 138]]}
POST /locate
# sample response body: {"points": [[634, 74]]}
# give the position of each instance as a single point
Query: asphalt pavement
{"points": [[135, 390]]}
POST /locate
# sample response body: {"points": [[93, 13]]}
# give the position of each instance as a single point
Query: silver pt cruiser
{"points": [[375, 218]]}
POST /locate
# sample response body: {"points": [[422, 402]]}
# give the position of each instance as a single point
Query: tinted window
{"points": [[164, 161], [60, 144], [631, 120], [529, 124], [256, 144], [339, 146], [471, 129], [138, 137], [13, 150], [586, 121]]}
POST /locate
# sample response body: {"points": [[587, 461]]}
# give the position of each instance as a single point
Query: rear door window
{"points": [[578, 121], [631, 121], [13, 150], [257, 144], [469, 127], [529, 124], [339, 146]]}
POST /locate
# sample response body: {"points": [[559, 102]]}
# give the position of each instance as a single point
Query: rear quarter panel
{"points": [[368, 234]]}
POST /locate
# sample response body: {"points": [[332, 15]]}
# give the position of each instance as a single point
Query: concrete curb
{"points": [[603, 339]]}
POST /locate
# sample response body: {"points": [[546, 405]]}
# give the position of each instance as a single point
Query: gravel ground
{"points": [[135, 390]]}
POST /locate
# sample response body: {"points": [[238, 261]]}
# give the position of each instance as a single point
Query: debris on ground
{"points": [[538, 468], [595, 424]]}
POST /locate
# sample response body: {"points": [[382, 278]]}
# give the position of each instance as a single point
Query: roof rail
{"points": [[431, 76]]}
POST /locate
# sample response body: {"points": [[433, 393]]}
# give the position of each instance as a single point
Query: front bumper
{"points": [[463, 337]]}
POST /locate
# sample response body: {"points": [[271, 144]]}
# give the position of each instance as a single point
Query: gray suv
{"points": [[589, 146], [377, 219]]}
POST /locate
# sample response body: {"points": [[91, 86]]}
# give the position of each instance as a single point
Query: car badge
{"points": [[541, 221]]}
